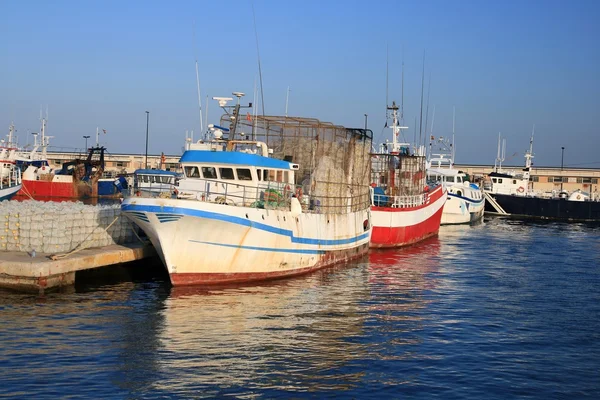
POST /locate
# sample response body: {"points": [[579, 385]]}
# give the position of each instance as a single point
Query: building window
{"points": [[244, 174], [121, 164], [558, 179], [595, 181], [226, 173], [535, 179]]}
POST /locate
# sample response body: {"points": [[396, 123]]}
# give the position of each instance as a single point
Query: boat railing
{"points": [[266, 195], [382, 200], [10, 179]]}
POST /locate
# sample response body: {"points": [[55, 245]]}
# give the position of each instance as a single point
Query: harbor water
{"points": [[503, 309]]}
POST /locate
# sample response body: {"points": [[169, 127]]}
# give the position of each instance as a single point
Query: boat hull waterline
{"points": [[9, 192], [397, 227], [204, 243], [542, 208]]}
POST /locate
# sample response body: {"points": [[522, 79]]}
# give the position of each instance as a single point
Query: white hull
{"points": [[208, 243], [8, 192], [461, 210]]}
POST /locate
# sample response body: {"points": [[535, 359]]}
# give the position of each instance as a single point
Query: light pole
{"points": [[366, 119], [86, 138], [562, 158], [147, 121]]}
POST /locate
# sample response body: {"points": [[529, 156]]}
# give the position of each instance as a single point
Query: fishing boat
{"points": [[511, 194], [405, 208], [465, 202], [264, 197], [78, 178]]}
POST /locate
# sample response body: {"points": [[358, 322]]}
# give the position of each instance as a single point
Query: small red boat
{"points": [[405, 209]]}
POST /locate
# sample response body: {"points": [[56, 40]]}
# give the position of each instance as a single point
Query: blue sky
{"points": [[504, 65]]}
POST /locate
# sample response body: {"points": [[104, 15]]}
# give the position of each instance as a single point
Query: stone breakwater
{"points": [[51, 227]]}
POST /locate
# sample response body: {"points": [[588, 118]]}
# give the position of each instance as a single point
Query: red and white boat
{"points": [[405, 209]]}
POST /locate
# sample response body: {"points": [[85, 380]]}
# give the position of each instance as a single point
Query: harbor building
{"points": [[544, 179]]}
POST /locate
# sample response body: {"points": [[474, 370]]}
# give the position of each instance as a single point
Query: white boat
{"points": [[154, 180], [244, 210], [466, 201]]}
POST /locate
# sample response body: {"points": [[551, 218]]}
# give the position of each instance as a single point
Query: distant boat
{"points": [[154, 180], [78, 178], [405, 209], [512, 195], [465, 203], [267, 201]]}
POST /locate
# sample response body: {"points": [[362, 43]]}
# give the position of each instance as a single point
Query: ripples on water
{"points": [[499, 310]]}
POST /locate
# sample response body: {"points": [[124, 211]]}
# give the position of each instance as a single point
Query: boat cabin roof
{"points": [[153, 172], [234, 158]]}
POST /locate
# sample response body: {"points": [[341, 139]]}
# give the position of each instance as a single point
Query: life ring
{"points": [[578, 197], [521, 189]]}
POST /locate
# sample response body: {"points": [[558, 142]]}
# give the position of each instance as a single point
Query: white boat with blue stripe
{"points": [[466, 202], [240, 214]]}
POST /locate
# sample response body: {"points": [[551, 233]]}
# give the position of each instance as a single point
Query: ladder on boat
{"points": [[494, 203]]}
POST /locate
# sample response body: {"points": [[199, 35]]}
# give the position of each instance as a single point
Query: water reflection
{"points": [[285, 335]]}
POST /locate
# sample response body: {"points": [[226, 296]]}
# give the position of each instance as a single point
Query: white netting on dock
{"points": [[50, 227]]}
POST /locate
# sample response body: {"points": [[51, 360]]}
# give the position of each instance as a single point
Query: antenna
{"points": [[422, 90], [286, 101], [427, 112], [262, 96], [197, 78], [402, 90], [387, 67]]}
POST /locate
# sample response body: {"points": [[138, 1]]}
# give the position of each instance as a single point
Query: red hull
{"points": [[406, 226], [211, 279], [47, 189]]}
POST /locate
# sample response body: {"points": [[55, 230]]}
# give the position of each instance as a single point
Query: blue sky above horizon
{"points": [[504, 65]]}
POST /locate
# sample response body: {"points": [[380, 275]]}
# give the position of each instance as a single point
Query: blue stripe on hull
{"points": [[8, 193], [466, 198], [236, 246], [241, 221]]}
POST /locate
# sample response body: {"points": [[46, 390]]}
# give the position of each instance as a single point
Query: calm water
{"points": [[499, 310]]}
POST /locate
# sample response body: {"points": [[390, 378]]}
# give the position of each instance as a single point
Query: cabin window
{"points": [[191, 172], [458, 179], [143, 178], [494, 180], [259, 174], [226, 173], [244, 174], [286, 176], [279, 176], [209, 172], [514, 181], [272, 175], [265, 174], [166, 179], [459, 193], [449, 179], [499, 180]]}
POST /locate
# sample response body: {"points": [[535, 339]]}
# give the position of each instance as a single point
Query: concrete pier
{"points": [[20, 271]]}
